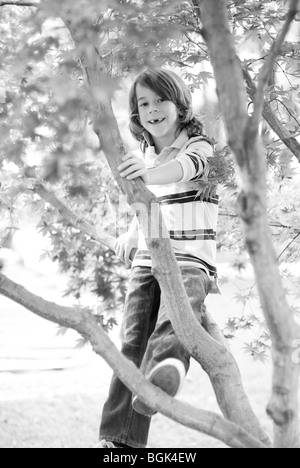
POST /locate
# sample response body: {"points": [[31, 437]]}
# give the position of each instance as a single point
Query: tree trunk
{"points": [[246, 145]]}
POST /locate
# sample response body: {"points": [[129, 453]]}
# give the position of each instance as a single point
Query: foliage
{"points": [[45, 131]]}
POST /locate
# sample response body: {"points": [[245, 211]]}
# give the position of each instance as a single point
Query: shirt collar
{"points": [[180, 141]]}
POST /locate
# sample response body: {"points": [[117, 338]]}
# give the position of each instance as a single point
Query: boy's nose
{"points": [[153, 109]]}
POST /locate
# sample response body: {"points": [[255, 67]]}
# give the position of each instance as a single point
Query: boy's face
{"points": [[159, 117]]}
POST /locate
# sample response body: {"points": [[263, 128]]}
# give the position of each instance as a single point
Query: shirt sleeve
{"points": [[194, 160]]}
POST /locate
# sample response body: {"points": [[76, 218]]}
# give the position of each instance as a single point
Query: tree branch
{"points": [[288, 111], [270, 117], [228, 214], [289, 244], [287, 139], [83, 321], [269, 63], [95, 232]]}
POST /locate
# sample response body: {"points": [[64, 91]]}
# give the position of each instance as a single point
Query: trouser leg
{"points": [[163, 342], [120, 423]]}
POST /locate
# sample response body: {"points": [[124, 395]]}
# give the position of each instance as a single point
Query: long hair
{"points": [[170, 87]]}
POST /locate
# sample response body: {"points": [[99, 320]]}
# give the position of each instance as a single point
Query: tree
{"points": [[41, 105]]}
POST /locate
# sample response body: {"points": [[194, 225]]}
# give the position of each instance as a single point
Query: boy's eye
{"points": [[143, 104], [160, 100]]}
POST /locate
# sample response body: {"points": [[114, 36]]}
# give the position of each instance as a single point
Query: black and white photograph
{"points": [[149, 226]]}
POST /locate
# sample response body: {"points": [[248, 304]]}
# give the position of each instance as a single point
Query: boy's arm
{"points": [[188, 165], [195, 160], [133, 228], [133, 167], [165, 174], [127, 244]]}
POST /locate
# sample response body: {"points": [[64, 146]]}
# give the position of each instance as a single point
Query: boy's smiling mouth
{"points": [[156, 121]]}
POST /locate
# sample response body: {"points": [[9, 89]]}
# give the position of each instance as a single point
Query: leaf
{"points": [[222, 280], [256, 352], [240, 298], [231, 325], [81, 343], [61, 331]]}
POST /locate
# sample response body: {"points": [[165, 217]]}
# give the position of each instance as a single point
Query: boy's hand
{"points": [[124, 246], [133, 167]]}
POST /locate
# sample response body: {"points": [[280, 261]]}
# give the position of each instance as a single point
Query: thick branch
{"points": [[212, 328], [269, 64], [83, 321], [270, 117], [228, 74], [250, 159]]}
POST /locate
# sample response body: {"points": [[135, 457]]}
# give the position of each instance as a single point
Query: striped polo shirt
{"points": [[191, 222]]}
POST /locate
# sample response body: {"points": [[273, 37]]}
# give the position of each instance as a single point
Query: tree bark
{"points": [[247, 148], [83, 321]]}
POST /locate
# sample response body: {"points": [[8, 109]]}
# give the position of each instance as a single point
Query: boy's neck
{"points": [[161, 143]]}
